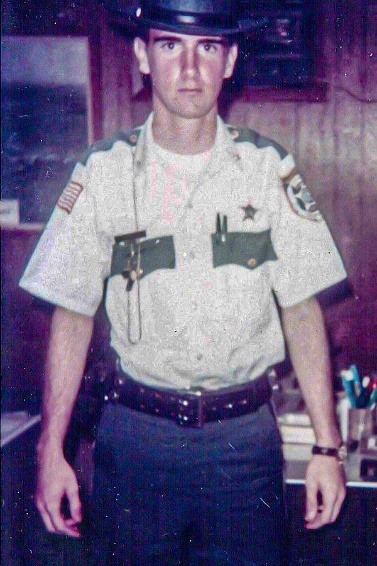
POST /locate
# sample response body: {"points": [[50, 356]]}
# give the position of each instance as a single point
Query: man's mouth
{"points": [[190, 90]]}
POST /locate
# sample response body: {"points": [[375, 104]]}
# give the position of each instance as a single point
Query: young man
{"points": [[197, 227]]}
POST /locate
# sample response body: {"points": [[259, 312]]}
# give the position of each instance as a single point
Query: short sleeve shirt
{"points": [[227, 238]]}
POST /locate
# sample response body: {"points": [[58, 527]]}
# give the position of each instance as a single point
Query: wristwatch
{"points": [[339, 453]]}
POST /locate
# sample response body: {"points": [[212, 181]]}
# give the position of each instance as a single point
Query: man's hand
{"points": [[325, 478], [56, 481]]}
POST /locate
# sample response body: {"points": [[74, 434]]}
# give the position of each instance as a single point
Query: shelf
{"points": [[34, 227]]}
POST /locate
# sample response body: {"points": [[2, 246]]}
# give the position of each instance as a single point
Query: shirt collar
{"points": [[224, 150]]}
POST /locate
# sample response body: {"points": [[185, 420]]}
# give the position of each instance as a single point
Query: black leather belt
{"points": [[195, 407]]}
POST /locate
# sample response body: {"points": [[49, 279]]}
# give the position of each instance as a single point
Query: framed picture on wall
{"points": [[46, 118]]}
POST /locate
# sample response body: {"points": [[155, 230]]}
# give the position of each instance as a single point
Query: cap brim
{"points": [[186, 29]]}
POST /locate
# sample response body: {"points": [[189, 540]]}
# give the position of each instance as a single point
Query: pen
{"points": [[224, 229], [349, 386], [373, 397], [356, 377], [221, 228], [218, 227], [365, 393]]}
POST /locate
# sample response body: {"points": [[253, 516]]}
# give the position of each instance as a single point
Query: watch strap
{"points": [[325, 451]]}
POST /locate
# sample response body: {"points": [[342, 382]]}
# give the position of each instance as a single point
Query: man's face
{"points": [[187, 71]]}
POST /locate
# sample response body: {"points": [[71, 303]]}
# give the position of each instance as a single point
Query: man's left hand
{"points": [[325, 477]]}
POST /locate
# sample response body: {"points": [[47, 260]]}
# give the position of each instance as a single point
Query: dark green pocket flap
{"points": [[155, 253], [249, 249]]}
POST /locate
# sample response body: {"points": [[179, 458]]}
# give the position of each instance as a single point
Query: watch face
{"points": [[342, 452]]}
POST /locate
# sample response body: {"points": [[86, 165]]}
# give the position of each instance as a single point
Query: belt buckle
{"points": [[191, 411]]}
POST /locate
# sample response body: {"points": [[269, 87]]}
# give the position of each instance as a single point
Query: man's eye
{"points": [[169, 45], [210, 47]]}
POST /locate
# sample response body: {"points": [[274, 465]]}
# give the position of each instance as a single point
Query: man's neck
{"points": [[185, 136]]}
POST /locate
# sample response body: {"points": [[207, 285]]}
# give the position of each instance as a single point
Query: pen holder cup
{"points": [[361, 424]]}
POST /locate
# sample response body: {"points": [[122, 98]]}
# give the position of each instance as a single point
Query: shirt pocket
{"points": [[247, 249], [155, 254]]}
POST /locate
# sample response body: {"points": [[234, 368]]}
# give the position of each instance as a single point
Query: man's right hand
{"points": [[56, 481]]}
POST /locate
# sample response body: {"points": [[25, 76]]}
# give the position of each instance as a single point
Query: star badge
{"points": [[250, 212]]}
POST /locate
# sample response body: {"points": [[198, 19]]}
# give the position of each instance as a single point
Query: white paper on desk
{"points": [[15, 423], [9, 212]]}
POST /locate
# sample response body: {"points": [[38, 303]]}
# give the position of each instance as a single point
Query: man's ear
{"points": [[140, 50], [231, 61]]}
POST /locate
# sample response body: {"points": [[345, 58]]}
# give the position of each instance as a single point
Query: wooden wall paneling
{"points": [[314, 140], [354, 190], [370, 54], [348, 190], [116, 80], [327, 20], [274, 120], [237, 114], [344, 326], [346, 130], [350, 44], [369, 203], [141, 107], [316, 155], [109, 74], [368, 284], [365, 322], [95, 26], [125, 84]]}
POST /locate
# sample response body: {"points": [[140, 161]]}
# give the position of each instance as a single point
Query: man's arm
{"points": [[69, 342], [307, 343]]}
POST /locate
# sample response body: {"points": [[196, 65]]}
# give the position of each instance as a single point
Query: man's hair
{"points": [[143, 34]]}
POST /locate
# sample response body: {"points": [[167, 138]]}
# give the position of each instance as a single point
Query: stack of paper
{"points": [[294, 421], [15, 423]]}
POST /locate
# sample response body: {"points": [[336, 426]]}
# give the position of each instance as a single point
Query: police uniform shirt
{"points": [[227, 232]]}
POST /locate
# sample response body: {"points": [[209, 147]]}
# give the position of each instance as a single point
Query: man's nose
{"points": [[190, 63]]}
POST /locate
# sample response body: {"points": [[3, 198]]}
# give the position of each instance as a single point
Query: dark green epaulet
{"points": [[246, 135], [106, 144]]}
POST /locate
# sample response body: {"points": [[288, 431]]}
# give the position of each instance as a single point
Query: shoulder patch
{"points": [[69, 196], [301, 200], [253, 137], [106, 144]]}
